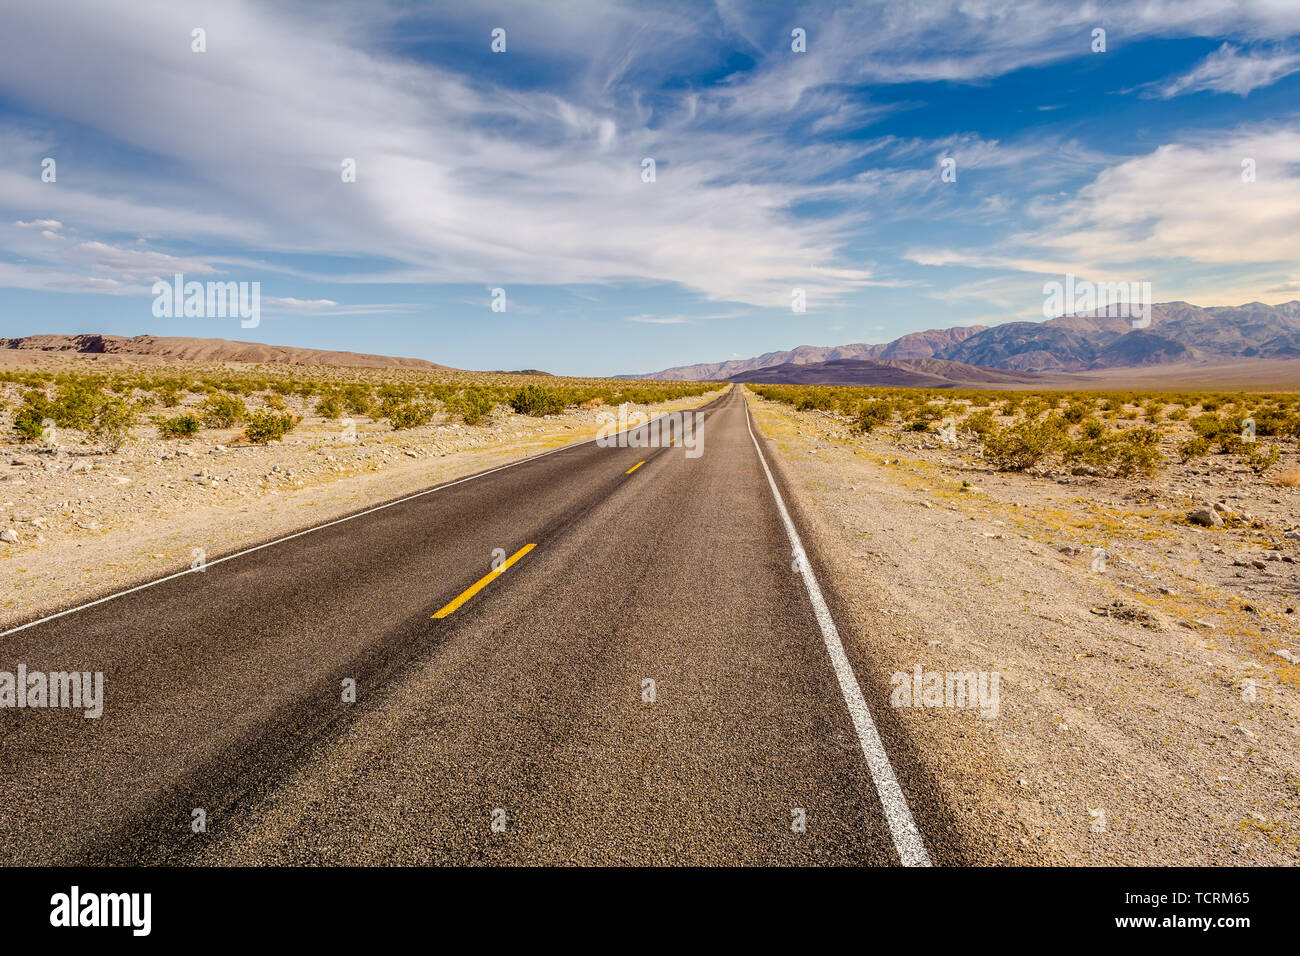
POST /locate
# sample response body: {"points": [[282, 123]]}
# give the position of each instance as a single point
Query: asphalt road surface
{"points": [[652, 682]]}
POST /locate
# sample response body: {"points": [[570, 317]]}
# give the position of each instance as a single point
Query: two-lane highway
{"points": [[600, 655]]}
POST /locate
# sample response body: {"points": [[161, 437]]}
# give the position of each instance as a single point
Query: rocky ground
{"points": [[76, 523], [1148, 709]]}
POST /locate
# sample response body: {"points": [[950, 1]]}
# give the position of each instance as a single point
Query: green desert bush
{"points": [[330, 407], [222, 411], [980, 423], [1193, 448], [1093, 428], [178, 426], [536, 400], [474, 404], [1123, 454], [112, 423], [266, 426], [1022, 445], [873, 413], [409, 415]]}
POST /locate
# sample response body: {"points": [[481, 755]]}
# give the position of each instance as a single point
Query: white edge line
{"points": [[298, 534], [907, 838]]}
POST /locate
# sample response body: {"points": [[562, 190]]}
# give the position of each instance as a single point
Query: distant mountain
{"points": [[168, 348], [898, 373], [1180, 333], [916, 345]]}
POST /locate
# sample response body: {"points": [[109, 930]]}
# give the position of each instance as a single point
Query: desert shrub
{"points": [[1257, 455], [1076, 412], [474, 403], [1193, 448], [1033, 408], [818, 399], [28, 422], [179, 426], [409, 415], [1117, 455], [329, 407], [76, 404], [1093, 428], [112, 423], [266, 426], [222, 411], [168, 395], [536, 400], [871, 414], [1022, 445], [357, 399], [980, 423], [1134, 452], [1208, 426]]}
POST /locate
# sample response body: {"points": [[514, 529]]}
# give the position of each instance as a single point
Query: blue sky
{"points": [[522, 170]]}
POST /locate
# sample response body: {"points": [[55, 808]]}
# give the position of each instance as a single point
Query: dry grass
{"points": [[1289, 478]]}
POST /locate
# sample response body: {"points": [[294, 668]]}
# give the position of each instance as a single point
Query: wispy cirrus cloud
{"points": [[1231, 69]]}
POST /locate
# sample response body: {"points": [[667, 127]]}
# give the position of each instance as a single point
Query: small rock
{"points": [[1207, 517]]}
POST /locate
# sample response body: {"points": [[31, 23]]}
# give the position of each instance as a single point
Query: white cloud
{"points": [[1181, 216], [1230, 70], [291, 303]]}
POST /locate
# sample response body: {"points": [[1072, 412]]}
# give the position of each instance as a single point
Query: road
{"points": [[649, 683]]}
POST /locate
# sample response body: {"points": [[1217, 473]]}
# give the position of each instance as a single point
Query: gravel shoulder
{"points": [[1146, 713]]}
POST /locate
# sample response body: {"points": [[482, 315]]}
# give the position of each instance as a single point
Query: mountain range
{"points": [[1179, 334]]}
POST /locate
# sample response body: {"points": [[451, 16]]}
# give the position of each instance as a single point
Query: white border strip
{"points": [[907, 838], [298, 534]]}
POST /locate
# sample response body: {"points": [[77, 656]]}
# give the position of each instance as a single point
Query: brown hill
{"points": [[177, 349]]}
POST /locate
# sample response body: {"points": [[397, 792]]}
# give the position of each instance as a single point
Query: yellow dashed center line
{"points": [[634, 468], [483, 582]]}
